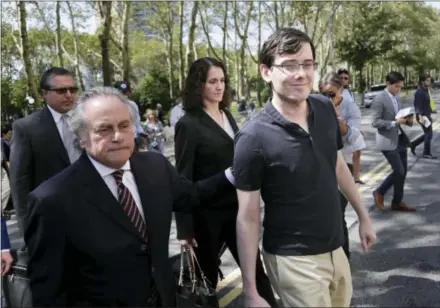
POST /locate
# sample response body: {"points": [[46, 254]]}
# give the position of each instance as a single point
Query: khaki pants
{"points": [[5, 188], [311, 281]]}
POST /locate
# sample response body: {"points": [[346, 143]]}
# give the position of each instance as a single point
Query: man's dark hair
{"points": [[394, 77], [423, 77], [6, 127], [343, 71], [284, 40], [46, 78], [122, 86], [195, 82]]}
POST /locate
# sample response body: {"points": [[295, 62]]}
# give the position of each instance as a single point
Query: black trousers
{"points": [[344, 202], [213, 229]]}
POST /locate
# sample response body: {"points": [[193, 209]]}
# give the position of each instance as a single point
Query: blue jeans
{"points": [[398, 159]]}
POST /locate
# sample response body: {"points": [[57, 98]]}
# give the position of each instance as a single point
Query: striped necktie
{"points": [[129, 205], [130, 208]]}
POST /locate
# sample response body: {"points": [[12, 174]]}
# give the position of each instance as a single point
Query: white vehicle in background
{"points": [[370, 95]]}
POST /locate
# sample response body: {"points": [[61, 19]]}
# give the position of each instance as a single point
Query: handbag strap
{"points": [[191, 268], [202, 274]]}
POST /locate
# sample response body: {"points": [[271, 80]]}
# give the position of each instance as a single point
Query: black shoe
{"points": [[429, 156], [413, 150]]}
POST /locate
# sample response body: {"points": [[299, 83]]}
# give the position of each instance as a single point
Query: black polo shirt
{"points": [[296, 173]]}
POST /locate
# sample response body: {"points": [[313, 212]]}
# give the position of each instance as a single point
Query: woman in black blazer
{"points": [[204, 146]]}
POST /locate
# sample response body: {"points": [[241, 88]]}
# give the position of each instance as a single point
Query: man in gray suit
{"points": [[392, 141], [43, 144]]}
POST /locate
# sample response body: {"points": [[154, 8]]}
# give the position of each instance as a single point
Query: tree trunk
{"points": [[104, 39], [125, 53], [181, 55], [259, 81], [170, 49], [275, 11], [58, 35], [32, 88], [191, 34], [75, 47], [225, 34], [243, 37]]}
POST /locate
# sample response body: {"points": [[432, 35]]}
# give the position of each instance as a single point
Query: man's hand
{"points": [[188, 243], [401, 121], [6, 262], [366, 233], [255, 301]]}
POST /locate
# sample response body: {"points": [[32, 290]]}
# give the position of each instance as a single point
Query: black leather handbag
{"points": [[191, 290], [15, 283]]}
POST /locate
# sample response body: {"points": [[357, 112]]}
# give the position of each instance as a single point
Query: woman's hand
{"points": [[6, 261], [188, 243]]}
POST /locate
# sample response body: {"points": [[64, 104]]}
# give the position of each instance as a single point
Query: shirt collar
{"points": [[270, 109], [391, 95], [56, 115], [104, 170]]}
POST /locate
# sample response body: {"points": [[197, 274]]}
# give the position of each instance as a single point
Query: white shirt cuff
{"points": [[229, 176]]}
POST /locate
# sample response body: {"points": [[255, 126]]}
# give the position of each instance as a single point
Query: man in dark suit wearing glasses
{"points": [[43, 145]]}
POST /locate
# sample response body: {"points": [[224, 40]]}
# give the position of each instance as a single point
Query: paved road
{"points": [[403, 268]]}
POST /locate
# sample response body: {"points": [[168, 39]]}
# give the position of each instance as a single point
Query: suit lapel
{"points": [[213, 126], [98, 194], [53, 134], [231, 121], [391, 103]]}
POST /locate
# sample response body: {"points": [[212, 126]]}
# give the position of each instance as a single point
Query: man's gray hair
{"points": [[77, 121]]}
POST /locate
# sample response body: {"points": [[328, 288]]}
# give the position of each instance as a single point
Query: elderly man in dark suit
{"points": [[98, 232], [43, 145]]}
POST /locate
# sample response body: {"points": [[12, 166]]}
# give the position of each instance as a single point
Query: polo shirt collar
{"points": [[270, 109]]}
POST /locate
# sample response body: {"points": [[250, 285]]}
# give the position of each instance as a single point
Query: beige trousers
{"points": [[6, 190], [311, 281]]}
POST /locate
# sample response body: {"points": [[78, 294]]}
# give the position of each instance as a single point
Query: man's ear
{"points": [[265, 72]]}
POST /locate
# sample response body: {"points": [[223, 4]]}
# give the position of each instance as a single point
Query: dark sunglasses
{"points": [[62, 91], [329, 94]]}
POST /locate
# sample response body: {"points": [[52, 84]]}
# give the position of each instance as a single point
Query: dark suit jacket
{"points": [[37, 154], [83, 249], [202, 149], [5, 243]]}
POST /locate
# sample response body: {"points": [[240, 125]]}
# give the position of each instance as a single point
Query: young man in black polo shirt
{"points": [[290, 153]]}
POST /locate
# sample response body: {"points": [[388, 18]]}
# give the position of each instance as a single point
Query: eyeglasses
{"points": [[62, 91], [292, 67], [329, 94]]}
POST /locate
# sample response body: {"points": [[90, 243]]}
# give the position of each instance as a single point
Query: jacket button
{"points": [[144, 247]]}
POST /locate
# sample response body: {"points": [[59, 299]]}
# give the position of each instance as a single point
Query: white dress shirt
{"points": [[227, 126], [57, 118], [127, 180]]}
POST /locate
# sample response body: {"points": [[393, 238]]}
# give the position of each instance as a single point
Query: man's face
{"points": [[62, 93], [427, 82], [291, 75], [394, 88], [8, 135], [110, 134], [345, 79]]}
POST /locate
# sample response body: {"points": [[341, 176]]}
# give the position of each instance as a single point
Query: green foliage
{"points": [[371, 35], [153, 90]]}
